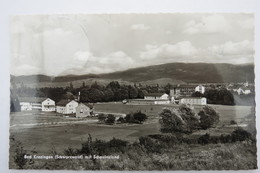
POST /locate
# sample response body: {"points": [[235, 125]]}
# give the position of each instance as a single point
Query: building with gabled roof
{"points": [[31, 103], [84, 110], [185, 90], [48, 105], [66, 106], [156, 96]]}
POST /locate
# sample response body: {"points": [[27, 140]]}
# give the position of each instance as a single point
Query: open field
{"points": [[37, 128], [227, 113], [43, 132]]}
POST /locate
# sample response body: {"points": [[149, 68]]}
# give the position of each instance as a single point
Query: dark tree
{"points": [[84, 95], [240, 135], [95, 95], [133, 92], [219, 96], [108, 95], [102, 117], [121, 120], [184, 119], [110, 119], [208, 117], [140, 117], [171, 121], [190, 117], [114, 85], [123, 93]]}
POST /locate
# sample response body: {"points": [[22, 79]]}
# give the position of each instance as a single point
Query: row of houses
{"points": [[65, 106], [178, 94]]}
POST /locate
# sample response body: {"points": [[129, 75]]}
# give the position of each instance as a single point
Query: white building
{"points": [[243, 91], [200, 89], [84, 110], [149, 101], [48, 105], [66, 106], [31, 103], [194, 100], [156, 96]]}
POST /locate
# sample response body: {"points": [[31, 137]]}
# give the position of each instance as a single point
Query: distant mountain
{"points": [[165, 73]]}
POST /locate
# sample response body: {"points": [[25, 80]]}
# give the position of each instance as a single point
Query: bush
{"points": [[117, 145], [121, 120], [101, 117], [101, 147], [204, 139], [183, 119], [129, 118], [190, 117], [208, 117], [110, 119], [240, 135], [225, 138], [139, 116], [19, 159], [150, 144], [171, 121]]}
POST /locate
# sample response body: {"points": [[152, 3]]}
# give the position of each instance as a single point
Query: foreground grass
{"points": [[230, 156]]}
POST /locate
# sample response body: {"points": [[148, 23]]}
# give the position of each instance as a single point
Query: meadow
{"points": [[46, 132]]}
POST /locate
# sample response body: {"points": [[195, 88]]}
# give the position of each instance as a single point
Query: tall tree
{"points": [[208, 117]]}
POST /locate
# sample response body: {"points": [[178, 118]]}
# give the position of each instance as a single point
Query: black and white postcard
{"points": [[154, 91]]}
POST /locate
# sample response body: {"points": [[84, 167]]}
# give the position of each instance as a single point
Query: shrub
{"points": [[19, 159], [129, 118], [139, 116], [101, 117], [240, 135], [183, 119], [204, 139], [121, 120], [190, 117], [110, 119], [150, 144], [208, 117], [225, 138], [171, 121], [117, 145], [70, 152]]}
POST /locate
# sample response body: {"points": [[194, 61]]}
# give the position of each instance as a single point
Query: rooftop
{"points": [[63, 102], [154, 94], [32, 99], [88, 105]]}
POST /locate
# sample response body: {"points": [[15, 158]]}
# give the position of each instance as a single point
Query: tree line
{"points": [[113, 91], [95, 92]]}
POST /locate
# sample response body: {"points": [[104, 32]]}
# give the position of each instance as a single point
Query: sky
{"points": [[102, 43]]}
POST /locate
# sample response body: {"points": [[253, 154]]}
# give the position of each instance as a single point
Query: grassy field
{"points": [[42, 132], [227, 113]]}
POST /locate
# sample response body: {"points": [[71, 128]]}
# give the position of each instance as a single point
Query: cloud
{"points": [[82, 56], [247, 23], [208, 24], [169, 51], [233, 48], [85, 62], [140, 27]]}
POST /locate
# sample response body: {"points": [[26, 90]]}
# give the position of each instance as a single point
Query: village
{"points": [[191, 94]]}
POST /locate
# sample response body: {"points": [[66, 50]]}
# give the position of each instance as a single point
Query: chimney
{"points": [[79, 97]]}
